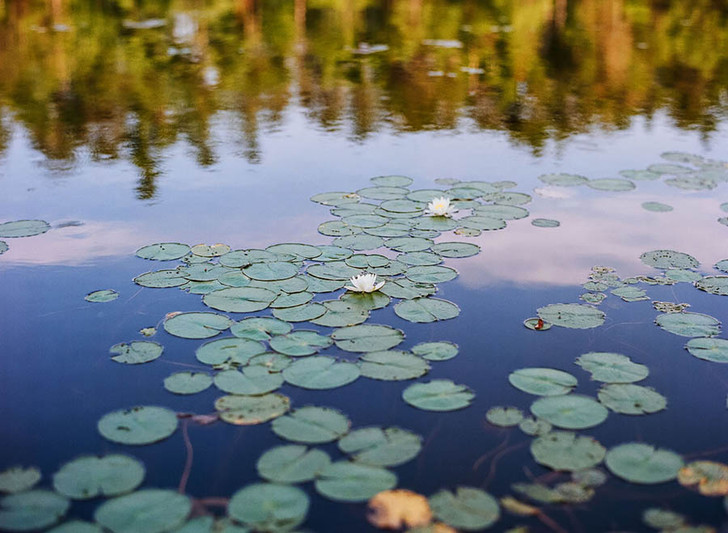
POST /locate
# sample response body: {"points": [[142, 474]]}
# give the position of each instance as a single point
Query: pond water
{"points": [[573, 138]]}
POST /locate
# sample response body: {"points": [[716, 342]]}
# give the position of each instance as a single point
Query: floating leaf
{"points": [[239, 299], [643, 463], [333, 271], [594, 298], [630, 294], [381, 447], [272, 271], [136, 352], [162, 279], [420, 258], [90, 476], [469, 509], [508, 198], [345, 481], [76, 526], [144, 511], [436, 223], [341, 313], [273, 362], [515, 507], [367, 338], [574, 493], [367, 260], [662, 519], [692, 183], [359, 242], [312, 425], [382, 192], [436, 351], [23, 228], [138, 425], [502, 212], [631, 399], [709, 349], [102, 296], [545, 223], [299, 343], [187, 382], [665, 168], [689, 324], [163, 251], [392, 365], [3, 247], [333, 253], [682, 274], [438, 395], [504, 416], [640, 174], [252, 380], [408, 244], [365, 301], [426, 195], [233, 278], [482, 223], [542, 381], [335, 198], [591, 477], [228, 351], [426, 309], [563, 180], [392, 181], [611, 184], [534, 427], [249, 410], [657, 207], [612, 367], [210, 250], [576, 316], [430, 274], [260, 328], [406, 289], [301, 251], [664, 259], [538, 492], [31, 510], [396, 509], [197, 325], [285, 301], [456, 249], [365, 220], [321, 372], [564, 450], [572, 411], [291, 464], [301, 313], [710, 477], [714, 285], [336, 228]]}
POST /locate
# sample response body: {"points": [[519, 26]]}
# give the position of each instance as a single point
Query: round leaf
{"points": [[563, 450], [438, 395], [367, 338], [102, 296], [311, 425], [136, 352], [228, 351], [576, 316], [709, 349], [291, 464], [253, 380], [187, 382], [90, 476], [436, 351], [504, 416], [643, 463], [381, 447], [31, 510], [145, 511], [542, 381], [392, 365], [23, 228], [250, 410], [426, 309], [571, 411], [299, 343], [19, 479], [469, 509], [320, 373], [138, 425], [260, 328], [163, 251], [631, 399], [612, 367], [197, 325], [689, 324], [353, 482], [239, 299]]}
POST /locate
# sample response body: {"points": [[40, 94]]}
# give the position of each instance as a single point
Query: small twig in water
{"points": [[486, 455]]}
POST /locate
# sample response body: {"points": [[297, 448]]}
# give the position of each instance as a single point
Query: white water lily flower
{"points": [[440, 207], [365, 283]]}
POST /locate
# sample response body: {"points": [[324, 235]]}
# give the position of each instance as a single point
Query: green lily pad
{"points": [[163, 251], [320, 373], [564, 450], [144, 511], [210, 250], [722, 265], [438, 395], [204, 272], [590, 477], [136, 352], [102, 296], [202, 287], [545, 223], [187, 382], [456, 249], [291, 464], [692, 183], [359, 242], [392, 365], [709, 349], [301, 251], [251, 380], [138, 425], [382, 192], [300, 343], [538, 492], [436, 351], [435, 223], [534, 427], [3, 247], [594, 298], [162, 279], [426, 309], [631, 399], [504, 416], [19, 479], [273, 271], [611, 184], [244, 258], [318, 285], [563, 180], [375, 446], [630, 294], [571, 411], [426, 195], [420, 258], [575, 316], [197, 325], [392, 181], [31, 510], [335, 198], [662, 519], [642, 463], [367, 338], [76, 526], [269, 506], [344, 481], [365, 301], [644, 175], [341, 313], [260, 328], [272, 361], [333, 271], [239, 299], [336, 228], [430, 274], [23, 228], [664, 259], [228, 351], [612, 367], [370, 220], [312, 425], [714, 285], [367, 261], [508, 198], [689, 324], [683, 274], [296, 299], [394, 268], [482, 223], [91, 476], [542, 381], [300, 313], [408, 244], [333, 253], [665, 168], [402, 206], [389, 230], [657, 207], [501, 212], [406, 289], [468, 509], [249, 410], [234, 278]]}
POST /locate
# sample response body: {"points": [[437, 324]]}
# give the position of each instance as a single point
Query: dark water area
{"points": [[124, 124]]}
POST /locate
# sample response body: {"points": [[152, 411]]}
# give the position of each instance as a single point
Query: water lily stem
{"points": [[188, 462]]}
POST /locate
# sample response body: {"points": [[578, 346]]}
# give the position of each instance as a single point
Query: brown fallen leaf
{"points": [[394, 509], [711, 477]]}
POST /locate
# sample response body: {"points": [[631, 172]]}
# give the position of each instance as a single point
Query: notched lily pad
{"points": [[300, 343], [23, 228], [710, 477], [643, 463], [320, 373], [426, 309], [138, 425], [291, 464], [102, 296], [196, 325], [438, 395], [228, 351], [19, 479], [136, 352], [689, 324], [250, 410], [392, 365], [665, 259], [367, 338], [612, 367], [269, 506], [564, 450], [714, 285], [381, 447], [468, 508], [631, 399], [260, 328], [239, 299], [312, 425], [163, 251], [543, 381], [345, 481], [91, 476], [709, 349], [504, 416], [436, 351], [187, 382], [144, 511], [571, 411], [575, 316], [31, 510]]}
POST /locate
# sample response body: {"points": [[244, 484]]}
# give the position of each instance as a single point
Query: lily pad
{"points": [[367, 338], [420, 258], [430, 274], [76, 526], [709, 349], [138, 425], [291, 464], [662, 519], [642, 463], [631, 399], [482, 223], [144, 511], [612, 367], [504, 416], [365, 301], [336, 228], [163, 251], [286, 301], [91, 476], [382, 192], [657, 207], [31, 510], [345, 481], [664, 259], [3, 247], [320, 373], [666, 168], [239, 299], [333, 271], [645, 175], [508, 198], [300, 343], [381, 447], [438, 395], [436, 224], [359, 242], [714, 285], [468, 509], [19, 479], [260, 328], [426, 309], [23, 228], [335, 198], [575, 316], [197, 325], [436, 351], [408, 244], [250, 410], [710, 477], [228, 351], [272, 361], [102, 296], [684, 275], [136, 352], [162, 279], [502, 212], [630, 294], [534, 427], [251, 380], [564, 450], [300, 313], [210, 250], [689, 324], [333, 253], [187, 382], [406, 289], [545, 223], [273, 271], [456, 249], [571, 411], [392, 365], [563, 180], [341, 313], [312, 425], [543, 381], [611, 184], [301, 251]]}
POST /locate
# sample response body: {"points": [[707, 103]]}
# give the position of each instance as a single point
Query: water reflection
{"points": [[117, 79]]}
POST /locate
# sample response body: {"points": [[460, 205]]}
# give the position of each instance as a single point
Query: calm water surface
{"points": [[219, 122]]}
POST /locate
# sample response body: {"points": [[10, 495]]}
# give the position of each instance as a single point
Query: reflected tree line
{"points": [[129, 78]]}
